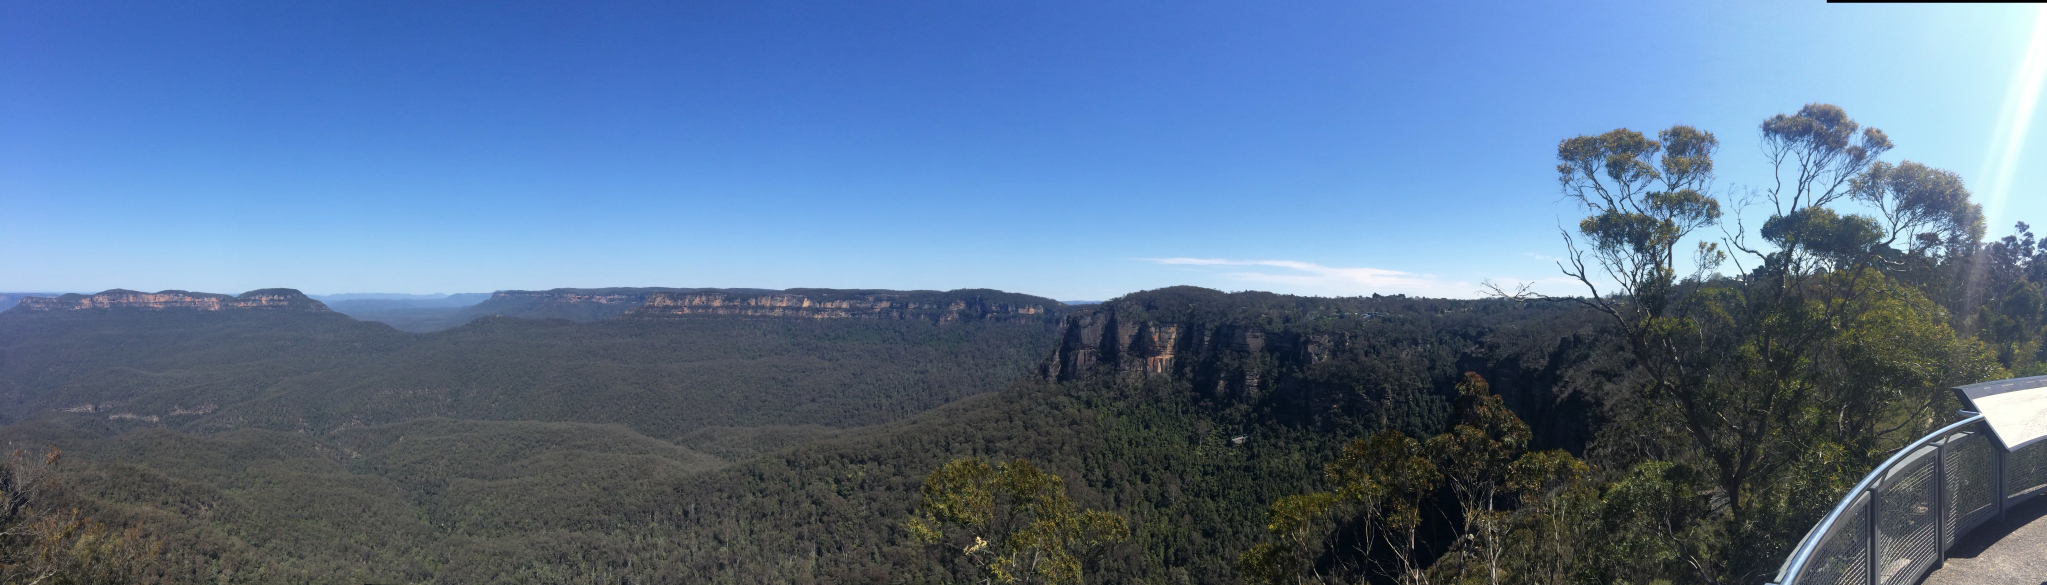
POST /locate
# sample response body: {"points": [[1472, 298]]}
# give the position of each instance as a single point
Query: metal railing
{"points": [[1898, 524]]}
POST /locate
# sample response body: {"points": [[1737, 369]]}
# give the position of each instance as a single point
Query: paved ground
{"points": [[2012, 553]]}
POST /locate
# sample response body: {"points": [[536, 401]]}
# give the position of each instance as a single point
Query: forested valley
{"points": [[1684, 418]]}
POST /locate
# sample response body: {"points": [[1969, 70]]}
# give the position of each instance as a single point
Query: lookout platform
{"points": [[2013, 552]]}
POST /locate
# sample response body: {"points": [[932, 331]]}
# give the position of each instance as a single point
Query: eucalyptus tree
{"points": [[1522, 514], [44, 541], [1819, 349], [2013, 315], [1012, 522]]}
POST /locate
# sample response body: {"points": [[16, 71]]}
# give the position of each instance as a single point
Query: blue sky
{"points": [[1078, 150]]}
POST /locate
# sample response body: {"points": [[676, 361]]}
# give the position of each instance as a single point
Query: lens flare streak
{"points": [[2017, 119]]}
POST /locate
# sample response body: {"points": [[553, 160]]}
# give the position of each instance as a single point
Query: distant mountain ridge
{"points": [[158, 356], [584, 305], [600, 304], [574, 304], [969, 304], [459, 298], [415, 313], [269, 298], [8, 299]]}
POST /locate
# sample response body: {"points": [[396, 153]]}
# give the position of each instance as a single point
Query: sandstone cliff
{"points": [[1220, 355], [1353, 363], [265, 299]]}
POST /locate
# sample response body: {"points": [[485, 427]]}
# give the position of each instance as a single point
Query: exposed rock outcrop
{"points": [[1337, 363], [1242, 348], [1224, 358], [265, 299]]}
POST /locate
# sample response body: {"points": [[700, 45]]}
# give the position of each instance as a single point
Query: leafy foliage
{"points": [[1520, 511], [1825, 353], [1024, 528], [39, 543]]}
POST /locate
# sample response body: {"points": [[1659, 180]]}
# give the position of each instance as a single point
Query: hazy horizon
{"points": [[380, 296]]}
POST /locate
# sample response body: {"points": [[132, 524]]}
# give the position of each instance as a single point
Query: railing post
{"points": [[1876, 548], [1940, 503], [1998, 483]]}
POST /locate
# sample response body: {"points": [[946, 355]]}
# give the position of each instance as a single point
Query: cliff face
{"points": [[1325, 363], [265, 299], [1335, 363], [1222, 358], [941, 307]]}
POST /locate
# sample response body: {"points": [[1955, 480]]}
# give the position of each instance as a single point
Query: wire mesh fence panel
{"points": [[1944, 485], [1842, 557], [1971, 483], [1905, 521], [2025, 469]]}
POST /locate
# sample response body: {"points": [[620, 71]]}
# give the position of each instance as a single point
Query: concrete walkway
{"points": [[2012, 553]]}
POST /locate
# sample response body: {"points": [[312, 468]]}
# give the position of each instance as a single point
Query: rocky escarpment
{"points": [[1221, 357], [265, 299], [1332, 363], [844, 304], [1328, 363]]}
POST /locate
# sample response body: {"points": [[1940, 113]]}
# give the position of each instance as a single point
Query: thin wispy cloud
{"points": [[1293, 276]]}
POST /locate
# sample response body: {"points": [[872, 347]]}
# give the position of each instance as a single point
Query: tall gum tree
{"points": [[1818, 346]]}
